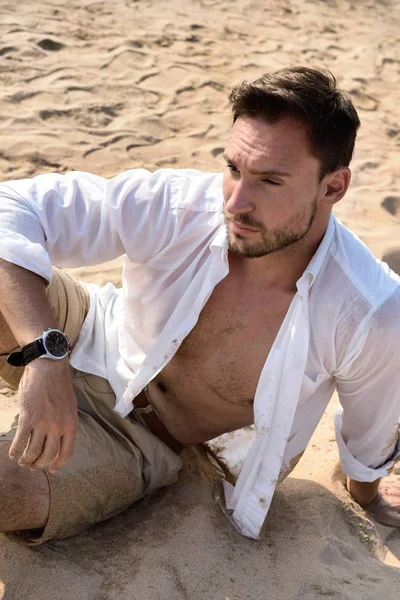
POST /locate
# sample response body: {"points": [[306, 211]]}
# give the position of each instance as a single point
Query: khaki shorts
{"points": [[116, 461]]}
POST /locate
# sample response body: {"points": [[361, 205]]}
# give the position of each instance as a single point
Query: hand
{"points": [[385, 509], [48, 419]]}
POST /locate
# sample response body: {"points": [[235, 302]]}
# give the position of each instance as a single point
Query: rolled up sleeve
{"points": [[367, 424]]}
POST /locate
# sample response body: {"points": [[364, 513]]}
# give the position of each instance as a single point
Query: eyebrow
{"points": [[269, 172]]}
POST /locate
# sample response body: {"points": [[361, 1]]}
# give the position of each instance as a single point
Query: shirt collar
{"points": [[314, 266], [220, 242]]}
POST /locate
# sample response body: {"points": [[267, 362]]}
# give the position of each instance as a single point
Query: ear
{"points": [[335, 185]]}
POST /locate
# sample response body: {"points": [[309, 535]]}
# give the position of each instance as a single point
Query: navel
{"points": [[162, 387]]}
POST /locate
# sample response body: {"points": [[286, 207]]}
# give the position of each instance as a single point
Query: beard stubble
{"points": [[271, 241]]}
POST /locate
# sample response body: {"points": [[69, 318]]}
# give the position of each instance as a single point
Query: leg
{"points": [[102, 478], [24, 496], [116, 461]]}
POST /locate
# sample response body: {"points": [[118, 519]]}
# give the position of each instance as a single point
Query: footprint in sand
{"points": [[50, 45], [338, 553], [392, 205], [217, 151], [392, 132], [21, 96], [7, 50]]}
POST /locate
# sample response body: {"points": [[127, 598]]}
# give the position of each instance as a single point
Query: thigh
{"points": [[101, 479], [69, 301], [115, 462], [25, 497], [95, 398]]}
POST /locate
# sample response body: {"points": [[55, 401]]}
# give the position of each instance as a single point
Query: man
{"points": [[243, 301]]}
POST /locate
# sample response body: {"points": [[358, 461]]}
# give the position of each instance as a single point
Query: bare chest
{"points": [[229, 345]]}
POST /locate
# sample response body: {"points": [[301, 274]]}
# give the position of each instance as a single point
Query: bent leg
{"points": [[101, 479], [24, 495], [115, 462]]}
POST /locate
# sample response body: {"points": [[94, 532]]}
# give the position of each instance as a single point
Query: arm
{"points": [[48, 417], [367, 428], [80, 219], [26, 315], [364, 493], [71, 220]]}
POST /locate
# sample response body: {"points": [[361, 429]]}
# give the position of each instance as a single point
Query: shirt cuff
{"points": [[351, 466]]}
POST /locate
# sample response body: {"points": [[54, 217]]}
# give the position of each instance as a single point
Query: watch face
{"points": [[56, 344]]}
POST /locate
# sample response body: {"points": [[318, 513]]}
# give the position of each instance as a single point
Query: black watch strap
{"points": [[22, 357]]}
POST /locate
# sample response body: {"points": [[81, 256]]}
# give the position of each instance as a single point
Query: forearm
{"points": [[23, 305], [363, 492]]}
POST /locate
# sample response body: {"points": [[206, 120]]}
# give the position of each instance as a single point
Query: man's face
{"points": [[271, 186]]}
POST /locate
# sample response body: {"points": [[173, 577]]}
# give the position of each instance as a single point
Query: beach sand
{"points": [[103, 87]]}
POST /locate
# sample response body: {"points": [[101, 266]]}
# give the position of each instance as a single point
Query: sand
{"points": [[103, 87]]}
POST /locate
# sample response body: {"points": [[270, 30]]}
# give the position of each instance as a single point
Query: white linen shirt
{"points": [[341, 330]]}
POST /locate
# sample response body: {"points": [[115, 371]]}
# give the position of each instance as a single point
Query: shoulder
{"points": [[354, 296], [178, 188], [351, 276], [196, 190], [366, 275]]}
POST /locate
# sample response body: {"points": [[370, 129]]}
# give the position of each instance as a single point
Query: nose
{"points": [[239, 200]]}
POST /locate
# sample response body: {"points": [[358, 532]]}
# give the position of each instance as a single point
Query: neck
{"points": [[280, 269]]}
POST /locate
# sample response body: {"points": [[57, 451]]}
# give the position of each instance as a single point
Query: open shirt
{"points": [[342, 329]]}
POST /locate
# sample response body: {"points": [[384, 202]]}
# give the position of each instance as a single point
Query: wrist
{"points": [[29, 335], [53, 344], [46, 364], [363, 492]]}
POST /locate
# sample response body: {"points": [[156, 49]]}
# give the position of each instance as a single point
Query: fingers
{"points": [[65, 452], [36, 451], [49, 452], [33, 449], [48, 419], [41, 452], [20, 442]]}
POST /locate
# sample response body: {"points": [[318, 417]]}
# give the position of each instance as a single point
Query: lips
{"points": [[243, 228]]}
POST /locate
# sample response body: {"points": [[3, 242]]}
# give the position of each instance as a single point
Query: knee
{"points": [[24, 495], [11, 490]]}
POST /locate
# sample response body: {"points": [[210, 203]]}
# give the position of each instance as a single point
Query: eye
{"points": [[271, 182], [232, 168]]}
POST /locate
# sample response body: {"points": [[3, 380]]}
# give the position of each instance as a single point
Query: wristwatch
{"points": [[52, 344]]}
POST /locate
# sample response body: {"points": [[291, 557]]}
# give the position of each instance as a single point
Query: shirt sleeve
{"points": [[366, 425], [81, 219]]}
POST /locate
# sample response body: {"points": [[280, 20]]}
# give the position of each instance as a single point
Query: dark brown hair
{"points": [[313, 97]]}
